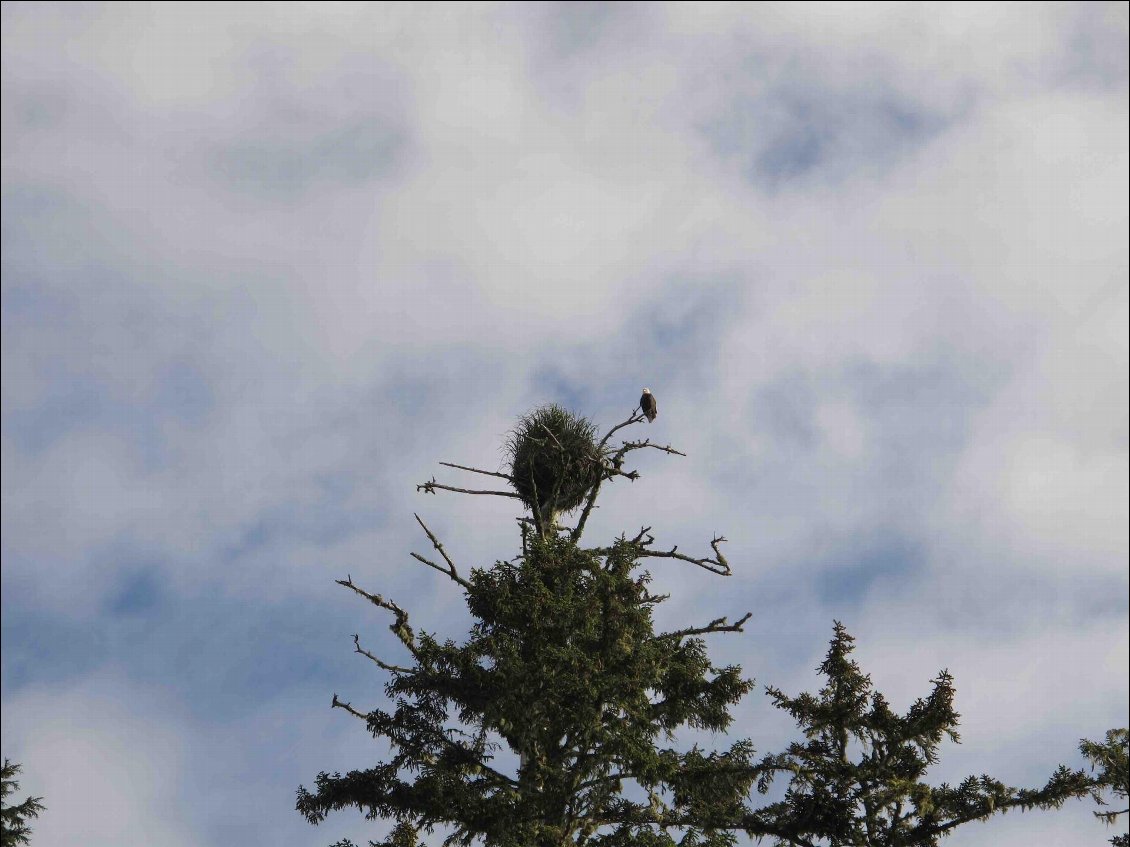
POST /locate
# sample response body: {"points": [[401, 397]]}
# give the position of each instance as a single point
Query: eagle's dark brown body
{"points": [[647, 405]]}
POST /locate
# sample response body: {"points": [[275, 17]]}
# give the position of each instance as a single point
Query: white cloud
{"points": [[108, 761]]}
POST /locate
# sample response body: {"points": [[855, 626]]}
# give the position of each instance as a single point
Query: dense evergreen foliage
{"points": [[563, 667], [14, 828], [556, 723]]}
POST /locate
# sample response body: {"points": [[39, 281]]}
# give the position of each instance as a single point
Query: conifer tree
{"points": [[858, 777], [1110, 760], [564, 668], [14, 827]]}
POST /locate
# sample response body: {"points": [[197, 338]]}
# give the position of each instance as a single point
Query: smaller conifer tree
{"points": [[858, 777]]}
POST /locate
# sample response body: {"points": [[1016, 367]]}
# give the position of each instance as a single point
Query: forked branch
{"points": [[632, 419], [718, 564], [612, 463], [450, 569], [629, 446], [357, 648]]}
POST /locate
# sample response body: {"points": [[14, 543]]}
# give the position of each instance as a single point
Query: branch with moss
{"points": [[399, 627], [716, 625], [1110, 762]]}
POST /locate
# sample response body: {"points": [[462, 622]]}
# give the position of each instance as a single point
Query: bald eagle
{"points": [[647, 405]]}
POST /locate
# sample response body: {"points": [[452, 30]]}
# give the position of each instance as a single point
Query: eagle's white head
{"points": [[647, 391]]}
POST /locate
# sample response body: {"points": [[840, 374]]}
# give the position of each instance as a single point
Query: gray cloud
{"points": [[290, 136], [284, 165], [794, 128]]}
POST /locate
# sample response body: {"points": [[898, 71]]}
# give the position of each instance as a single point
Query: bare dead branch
{"points": [[504, 476], [549, 520], [445, 571], [632, 419], [341, 704], [590, 503], [643, 541], [629, 446], [357, 648], [716, 625], [611, 463], [400, 627], [535, 509], [611, 471], [431, 486], [610, 467], [718, 564], [450, 569]]}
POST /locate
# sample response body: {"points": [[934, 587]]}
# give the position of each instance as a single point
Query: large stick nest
{"points": [[555, 458]]}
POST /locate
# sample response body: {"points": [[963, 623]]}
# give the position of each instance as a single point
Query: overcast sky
{"points": [[264, 266]]}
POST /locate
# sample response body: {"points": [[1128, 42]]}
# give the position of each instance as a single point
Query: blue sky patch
{"points": [[844, 581], [791, 131]]}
